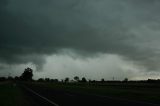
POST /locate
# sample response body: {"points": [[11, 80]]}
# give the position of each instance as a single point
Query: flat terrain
{"points": [[49, 94], [11, 95]]}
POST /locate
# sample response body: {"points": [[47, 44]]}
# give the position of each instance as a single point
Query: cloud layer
{"points": [[31, 30]]}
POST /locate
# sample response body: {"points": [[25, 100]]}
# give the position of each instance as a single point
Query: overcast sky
{"points": [[91, 38]]}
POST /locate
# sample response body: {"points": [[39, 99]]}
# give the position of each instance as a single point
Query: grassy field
{"points": [[140, 92], [11, 95]]}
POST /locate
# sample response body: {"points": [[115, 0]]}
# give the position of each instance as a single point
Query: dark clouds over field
{"points": [[31, 30]]}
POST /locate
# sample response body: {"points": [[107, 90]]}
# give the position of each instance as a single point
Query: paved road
{"points": [[50, 97]]}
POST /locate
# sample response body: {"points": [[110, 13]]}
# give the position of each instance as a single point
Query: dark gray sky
{"points": [[72, 37]]}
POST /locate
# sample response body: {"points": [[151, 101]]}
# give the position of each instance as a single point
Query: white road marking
{"points": [[51, 102]]}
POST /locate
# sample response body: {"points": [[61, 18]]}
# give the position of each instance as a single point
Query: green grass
{"points": [[11, 95]]}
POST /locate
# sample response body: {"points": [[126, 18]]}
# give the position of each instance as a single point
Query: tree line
{"points": [[27, 75]]}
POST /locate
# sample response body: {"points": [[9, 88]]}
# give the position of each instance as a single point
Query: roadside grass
{"points": [[140, 92], [11, 95]]}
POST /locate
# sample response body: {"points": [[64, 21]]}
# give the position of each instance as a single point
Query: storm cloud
{"points": [[33, 29]]}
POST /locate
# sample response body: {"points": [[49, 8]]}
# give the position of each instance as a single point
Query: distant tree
{"points": [[83, 79], [90, 81], [152, 80], [102, 80], [27, 74], [47, 79], [40, 80], [93, 81], [76, 78], [125, 80], [54, 80], [16, 78], [2, 78], [62, 80], [66, 79], [10, 78]]}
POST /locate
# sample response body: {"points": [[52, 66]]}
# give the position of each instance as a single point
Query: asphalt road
{"points": [[50, 97]]}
